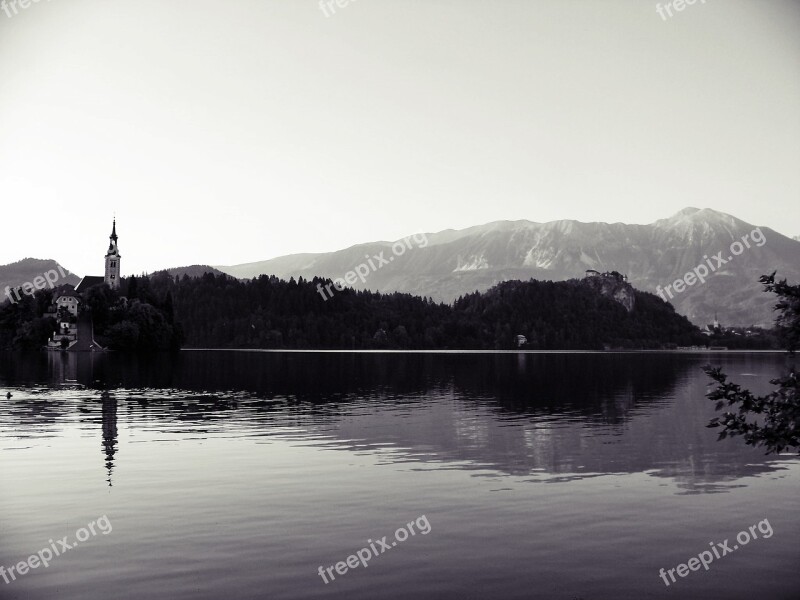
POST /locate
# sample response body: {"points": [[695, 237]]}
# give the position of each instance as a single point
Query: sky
{"points": [[231, 132]]}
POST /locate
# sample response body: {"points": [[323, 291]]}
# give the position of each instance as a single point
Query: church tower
{"points": [[112, 260]]}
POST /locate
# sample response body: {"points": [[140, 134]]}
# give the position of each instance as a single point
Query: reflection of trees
{"points": [[601, 387], [537, 415]]}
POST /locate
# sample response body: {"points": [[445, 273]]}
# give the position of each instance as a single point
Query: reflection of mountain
{"points": [[531, 415]]}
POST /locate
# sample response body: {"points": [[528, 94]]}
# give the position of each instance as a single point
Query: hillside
{"points": [[28, 269], [192, 271], [217, 311]]}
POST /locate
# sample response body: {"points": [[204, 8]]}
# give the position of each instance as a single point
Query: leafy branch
{"points": [[771, 420], [775, 427]]}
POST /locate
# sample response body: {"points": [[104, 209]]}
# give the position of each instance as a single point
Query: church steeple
{"points": [[112, 246], [112, 278]]}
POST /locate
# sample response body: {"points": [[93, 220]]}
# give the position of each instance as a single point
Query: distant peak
{"points": [[692, 214], [689, 210]]}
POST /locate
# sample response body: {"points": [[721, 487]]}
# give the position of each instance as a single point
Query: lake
{"points": [[214, 474]]}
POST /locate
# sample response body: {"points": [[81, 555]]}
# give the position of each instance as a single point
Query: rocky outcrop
{"points": [[613, 285]]}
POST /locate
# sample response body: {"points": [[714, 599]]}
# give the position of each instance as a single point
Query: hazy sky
{"points": [[236, 131]]}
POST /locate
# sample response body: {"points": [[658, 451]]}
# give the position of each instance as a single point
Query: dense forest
{"points": [[162, 311], [143, 321], [219, 311]]}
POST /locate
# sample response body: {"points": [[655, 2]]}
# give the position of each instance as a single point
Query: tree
{"points": [[788, 320], [772, 420], [123, 336], [133, 286]]}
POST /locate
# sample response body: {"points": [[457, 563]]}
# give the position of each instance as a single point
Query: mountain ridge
{"points": [[451, 263], [456, 262]]}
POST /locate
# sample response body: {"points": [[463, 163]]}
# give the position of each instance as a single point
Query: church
{"points": [[112, 273], [75, 331]]}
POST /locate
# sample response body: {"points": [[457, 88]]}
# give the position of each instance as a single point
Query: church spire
{"points": [[112, 245], [112, 276]]}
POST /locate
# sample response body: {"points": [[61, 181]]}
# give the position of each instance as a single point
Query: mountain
{"points": [[451, 263], [192, 271], [28, 269]]}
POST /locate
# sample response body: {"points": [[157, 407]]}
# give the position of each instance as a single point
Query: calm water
{"points": [[239, 474]]}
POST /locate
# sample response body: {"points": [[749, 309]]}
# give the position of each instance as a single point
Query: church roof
{"points": [[89, 281]]}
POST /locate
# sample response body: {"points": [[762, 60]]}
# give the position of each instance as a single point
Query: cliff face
{"points": [[613, 287]]}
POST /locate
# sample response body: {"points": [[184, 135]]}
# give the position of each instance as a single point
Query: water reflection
{"points": [[547, 417], [109, 431]]}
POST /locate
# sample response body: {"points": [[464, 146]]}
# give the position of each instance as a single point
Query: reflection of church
{"points": [[73, 369], [109, 432]]}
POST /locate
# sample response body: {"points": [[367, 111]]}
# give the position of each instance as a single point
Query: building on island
{"points": [[67, 299], [113, 257], [112, 274], [75, 331]]}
